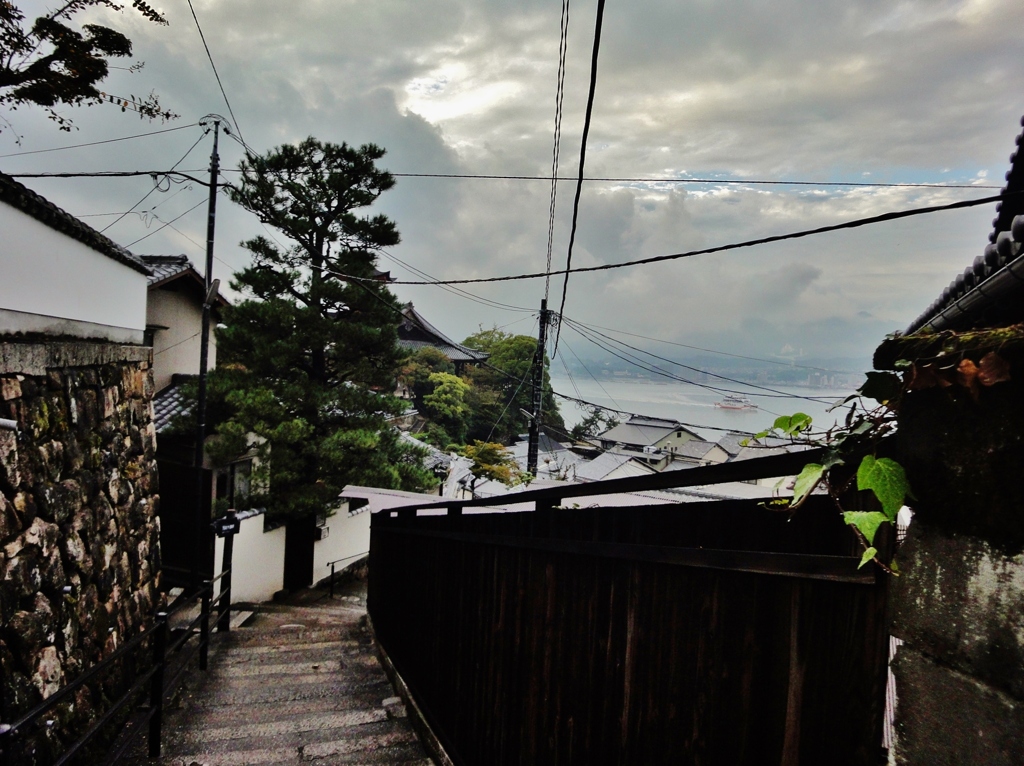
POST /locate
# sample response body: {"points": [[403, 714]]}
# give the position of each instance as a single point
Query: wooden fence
{"points": [[698, 633]]}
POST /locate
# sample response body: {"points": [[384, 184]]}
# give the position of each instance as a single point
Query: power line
{"points": [[893, 216], [592, 375], [454, 290], [165, 225], [97, 143], [113, 174], [655, 370], [720, 353], [156, 185], [215, 72], [580, 328], [639, 415], [723, 181], [563, 45], [583, 158]]}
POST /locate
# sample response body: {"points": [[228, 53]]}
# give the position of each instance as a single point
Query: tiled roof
{"points": [[29, 202], [605, 463], [170, 403], [415, 333], [988, 291], [695, 448], [165, 267], [642, 431]]}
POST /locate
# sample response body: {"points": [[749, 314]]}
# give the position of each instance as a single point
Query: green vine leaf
{"points": [[791, 425], [867, 522], [869, 554], [807, 481], [883, 387], [887, 479]]}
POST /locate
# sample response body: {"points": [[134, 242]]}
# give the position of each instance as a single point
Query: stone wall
{"points": [[959, 604], [79, 535]]}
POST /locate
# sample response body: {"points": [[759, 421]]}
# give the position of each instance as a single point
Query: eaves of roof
{"points": [[989, 291], [167, 269], [29, 202]]}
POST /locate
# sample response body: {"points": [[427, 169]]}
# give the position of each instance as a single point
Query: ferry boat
{"points": [[731, 402]]}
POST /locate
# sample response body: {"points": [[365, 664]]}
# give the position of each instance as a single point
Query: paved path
{"points": [[301, 684]]}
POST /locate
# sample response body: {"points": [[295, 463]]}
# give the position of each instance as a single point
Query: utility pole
{"points": [[204, 355], [538, 389]]}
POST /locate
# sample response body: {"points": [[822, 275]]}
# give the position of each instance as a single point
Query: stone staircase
{"points": [[301, 684]]}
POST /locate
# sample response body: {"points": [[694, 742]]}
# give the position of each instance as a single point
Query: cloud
{"points": [[860, 89]]}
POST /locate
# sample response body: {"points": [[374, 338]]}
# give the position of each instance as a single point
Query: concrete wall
{"points": [[80, 561], [257, 569], [176, 349], [959, 603], [57, 285]]}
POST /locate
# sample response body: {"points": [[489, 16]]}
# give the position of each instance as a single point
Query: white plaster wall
{"points": [[44, 272], [348, 539], [257, 562], [176, 349]]}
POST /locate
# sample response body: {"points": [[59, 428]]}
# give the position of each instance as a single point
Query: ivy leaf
{"points": [[887, 479], [867, 522], [993, 369], [883, 387], [806, 481], [793, 424], [869, 554]]}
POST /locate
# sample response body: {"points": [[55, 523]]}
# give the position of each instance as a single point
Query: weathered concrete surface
{"points": [[948, 718], [300, 685], [961, 602]]}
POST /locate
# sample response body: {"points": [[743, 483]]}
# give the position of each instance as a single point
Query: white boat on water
{"points": [[731, 402]]}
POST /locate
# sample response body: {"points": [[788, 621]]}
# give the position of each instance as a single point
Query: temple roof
{"points": [[415, 333]]}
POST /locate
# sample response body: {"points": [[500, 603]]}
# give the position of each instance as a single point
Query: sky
{"points": [[924, 91]]}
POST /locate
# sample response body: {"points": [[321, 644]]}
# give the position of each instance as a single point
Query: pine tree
{"points": [[308, 362]]}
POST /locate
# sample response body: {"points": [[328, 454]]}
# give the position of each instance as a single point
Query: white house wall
{"points": [[348, 539], [51, 283], [257, 562], [176, 349]]}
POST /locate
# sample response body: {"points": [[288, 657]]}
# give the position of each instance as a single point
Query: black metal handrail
{"points": [[157, 637], [333, 564]]}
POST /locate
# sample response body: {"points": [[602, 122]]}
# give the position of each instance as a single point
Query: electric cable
{"points": [[592, 375], [576, 326], [852, 224], [720, 353], [156, 185], [655, 370], [583, 157], [97, 143], [215, 72], [563, 45], [723, 181], [166, 224]]}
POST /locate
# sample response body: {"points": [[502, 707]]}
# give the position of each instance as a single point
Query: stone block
{"points": [[49, 675], [9, 471], [59, 502], [10, 388], [961, 601], [945, 717], [111, 398]]}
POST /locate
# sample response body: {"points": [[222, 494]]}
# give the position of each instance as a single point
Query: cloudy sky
{"points": [[922, 91]]}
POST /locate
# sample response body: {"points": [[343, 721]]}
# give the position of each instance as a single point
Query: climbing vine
{"points": [[871, 418]]}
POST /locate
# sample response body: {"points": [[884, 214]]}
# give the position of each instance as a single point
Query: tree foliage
{"points": [[51, 63], [502, 388], [493, 461], [311, 358]]}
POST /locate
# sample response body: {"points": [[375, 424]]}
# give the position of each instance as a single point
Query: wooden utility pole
{"points": [[538, 390], [204, 355]]}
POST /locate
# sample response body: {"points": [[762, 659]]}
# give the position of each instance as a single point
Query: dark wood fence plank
{"points": [[635, 635]]}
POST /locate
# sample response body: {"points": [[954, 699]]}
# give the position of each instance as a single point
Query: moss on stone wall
{"points": [[79, 537]]}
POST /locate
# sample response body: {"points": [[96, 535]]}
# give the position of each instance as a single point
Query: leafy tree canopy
{"points": [[311, 358], [51, 63], [493, 461], [498, 397]]}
